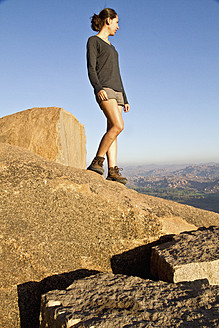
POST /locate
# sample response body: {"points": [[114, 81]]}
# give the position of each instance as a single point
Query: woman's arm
{"points": [[91, 64], [126, 104], [123, 91]]}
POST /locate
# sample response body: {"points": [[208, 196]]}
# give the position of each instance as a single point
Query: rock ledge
{"points": [[189, 256], [107, 300]]}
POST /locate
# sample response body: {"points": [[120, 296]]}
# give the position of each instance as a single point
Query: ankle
{"points": [[99, 157]]}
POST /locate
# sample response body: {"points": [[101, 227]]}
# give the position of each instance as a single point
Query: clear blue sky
{"points": [[169, 61]]}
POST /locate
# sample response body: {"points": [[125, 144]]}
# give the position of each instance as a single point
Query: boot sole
{"points": [[99, 171], [120, 181]]}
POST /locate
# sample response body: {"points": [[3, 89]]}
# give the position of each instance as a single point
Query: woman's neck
{"points": [[103, 34]]}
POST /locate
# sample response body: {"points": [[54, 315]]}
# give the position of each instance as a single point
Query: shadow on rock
{"points": [[136, 262], [29, 294]]}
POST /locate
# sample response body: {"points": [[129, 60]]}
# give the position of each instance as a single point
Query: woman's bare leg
{"points": [[112, 151], [115, 123], [112, 154]]}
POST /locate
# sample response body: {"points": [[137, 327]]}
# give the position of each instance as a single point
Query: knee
{"points": [[118, 128]]}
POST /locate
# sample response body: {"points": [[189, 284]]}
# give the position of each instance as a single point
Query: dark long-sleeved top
{"points": [[103, 66]]}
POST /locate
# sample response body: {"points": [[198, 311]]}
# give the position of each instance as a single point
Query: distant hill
{"points": [[200, 171], [196, 185], [152, 169]]}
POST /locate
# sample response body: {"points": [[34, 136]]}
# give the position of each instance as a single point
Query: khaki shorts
{"points": [[113, 95]]}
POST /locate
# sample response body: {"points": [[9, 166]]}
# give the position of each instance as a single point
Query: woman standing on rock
{"points": [[104, 75]]}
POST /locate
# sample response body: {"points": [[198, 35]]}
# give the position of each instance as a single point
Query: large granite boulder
{"points": [[51, 132], [107, 300], [57, 219], [188, 256]]}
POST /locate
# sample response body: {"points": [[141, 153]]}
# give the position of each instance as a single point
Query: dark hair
{"points": [[98, 21]]}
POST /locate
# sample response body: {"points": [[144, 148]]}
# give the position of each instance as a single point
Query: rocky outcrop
{"points": [[188, 257], [51, 132], [107, 300], [57, 219]]}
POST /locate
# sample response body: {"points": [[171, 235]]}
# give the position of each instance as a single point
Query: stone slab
{"points": [[50, 132], [189, 256], [108, 300], [175, 225]]}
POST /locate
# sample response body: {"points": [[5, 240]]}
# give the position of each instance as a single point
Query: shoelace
{"points": [[117, 169], [95, 160]]}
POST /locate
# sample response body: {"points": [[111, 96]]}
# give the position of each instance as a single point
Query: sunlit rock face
{"points": [[51, 132]]}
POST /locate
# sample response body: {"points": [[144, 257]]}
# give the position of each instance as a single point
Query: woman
{"points": [[104, 75]]}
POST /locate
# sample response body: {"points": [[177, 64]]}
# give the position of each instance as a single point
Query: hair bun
{"points": [[96, 22]]}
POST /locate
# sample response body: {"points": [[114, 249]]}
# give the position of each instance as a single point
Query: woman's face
{"points": [[113, 25]]}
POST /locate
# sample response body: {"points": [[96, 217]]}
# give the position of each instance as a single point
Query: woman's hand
{"points": [[102, 95], [126, 108]]}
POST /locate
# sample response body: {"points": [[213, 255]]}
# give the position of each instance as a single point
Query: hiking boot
{"points": [[97, 165], [115, 175]]}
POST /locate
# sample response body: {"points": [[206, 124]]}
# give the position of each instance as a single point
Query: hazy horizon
{"points": [[123, 164]]}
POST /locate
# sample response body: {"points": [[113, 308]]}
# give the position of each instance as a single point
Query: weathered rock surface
{"points": [[51, 132], [57, 219], [109, 301], [175, 225], [189, 256]]}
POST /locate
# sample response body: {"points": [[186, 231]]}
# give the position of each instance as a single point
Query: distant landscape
{"points": [[195, 185]]}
